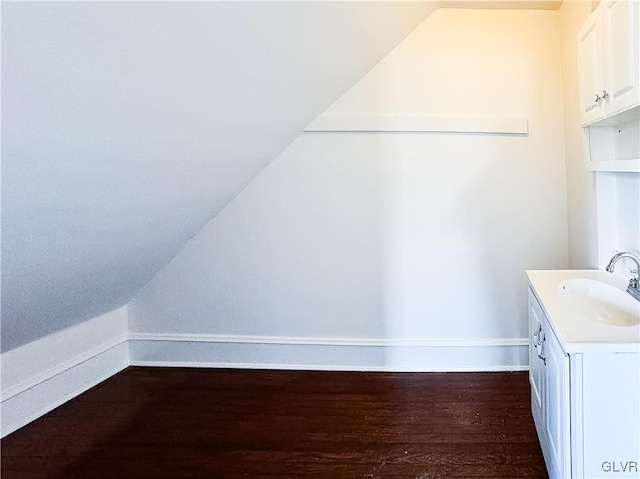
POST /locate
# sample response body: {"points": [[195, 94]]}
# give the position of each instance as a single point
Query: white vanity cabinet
{"points": [[609, 60], [585, 402], [550, 399]]}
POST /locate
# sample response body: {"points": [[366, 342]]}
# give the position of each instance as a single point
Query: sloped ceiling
{"points": [[128, 125]]}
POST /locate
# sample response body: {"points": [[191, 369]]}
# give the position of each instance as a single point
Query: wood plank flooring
{"points": [[217, 423]]}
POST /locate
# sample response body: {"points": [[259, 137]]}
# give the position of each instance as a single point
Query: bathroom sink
{"points": [[600, 302]]}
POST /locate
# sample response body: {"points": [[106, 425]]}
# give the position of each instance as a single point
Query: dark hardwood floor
{"points": [[213, 423]]}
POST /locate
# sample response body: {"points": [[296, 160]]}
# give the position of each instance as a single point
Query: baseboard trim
{"points": [[44, 391], [45, 373], [317, 367], [39, 395], [324, 341], [327, 354], [59, 369]]}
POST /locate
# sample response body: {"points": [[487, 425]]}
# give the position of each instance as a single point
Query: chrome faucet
{"points": [[632, 289]]}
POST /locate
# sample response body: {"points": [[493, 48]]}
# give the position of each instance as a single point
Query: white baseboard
{"points": [[30, 404], [44, 374], [342, 354]]}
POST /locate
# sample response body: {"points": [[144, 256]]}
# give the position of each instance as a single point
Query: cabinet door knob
{"points": [[598, 98], [604, 94]]}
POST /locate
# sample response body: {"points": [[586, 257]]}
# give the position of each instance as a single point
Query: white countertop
{"points": [[576, 333]]}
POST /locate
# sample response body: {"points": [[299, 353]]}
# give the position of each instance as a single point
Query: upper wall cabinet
{"points": [[609, 60]]}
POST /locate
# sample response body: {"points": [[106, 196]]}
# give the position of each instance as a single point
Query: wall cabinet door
{"points": [[620, 27], [590, 68], [609, 60]]}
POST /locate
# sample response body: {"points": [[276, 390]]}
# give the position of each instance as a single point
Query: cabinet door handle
{"points": [[536, 336], [539, 353], [544, 360], [604, 94], [598, 98]]}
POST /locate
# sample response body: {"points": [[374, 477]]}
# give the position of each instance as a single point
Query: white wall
{"points": [[618, 212], [603, 208], [128, 125], [407, 237], [628, 206], [581, 187]]}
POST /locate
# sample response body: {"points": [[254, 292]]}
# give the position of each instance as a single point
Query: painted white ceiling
{"points": [[128, 125]]}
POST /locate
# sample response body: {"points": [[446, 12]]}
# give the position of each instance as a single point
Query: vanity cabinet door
{"points": [[536, 364], [557, 404], [550, 392]]}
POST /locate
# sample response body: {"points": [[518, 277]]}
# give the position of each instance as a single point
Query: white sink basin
{"points": [[600, 302]]}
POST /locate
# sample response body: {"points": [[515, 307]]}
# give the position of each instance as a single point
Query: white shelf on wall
{"points": [[417, 124], [620, 166], [614, 143]]}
